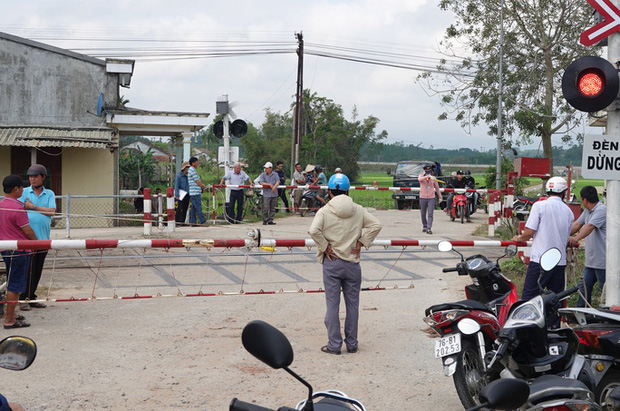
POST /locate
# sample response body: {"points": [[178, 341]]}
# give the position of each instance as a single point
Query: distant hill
{"points": [[392, 153]]}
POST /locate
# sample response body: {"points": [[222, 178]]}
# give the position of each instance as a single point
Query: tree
{"points": [[540, 41], [327, 137], [136, 167]]}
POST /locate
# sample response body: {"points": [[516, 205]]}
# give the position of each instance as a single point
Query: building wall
{"points": [[5, 161], [42, 85], [88, 172]]}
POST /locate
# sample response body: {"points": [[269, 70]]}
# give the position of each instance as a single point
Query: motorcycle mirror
{"points": [[550, 258], [504, 394], [511, 250], [268, 344], [444, 246], [17, 353]]}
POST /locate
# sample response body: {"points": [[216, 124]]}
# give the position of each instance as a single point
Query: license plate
{"points": [[409, 197], [448, 345]]}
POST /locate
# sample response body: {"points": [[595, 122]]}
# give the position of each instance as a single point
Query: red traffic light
{"points": [[590, 84]]}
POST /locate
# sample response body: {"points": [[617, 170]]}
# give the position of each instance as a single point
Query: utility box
{"points": [[532, 167]]}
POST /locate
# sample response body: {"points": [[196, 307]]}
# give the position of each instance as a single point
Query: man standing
{"points": [[196, 188], [236, 177], [299, 178], [429, 190], [14, 226], [181, 193], [549, 224], [282, 185], [270, 182], [592, 226], [41, 205], [337, 230]]}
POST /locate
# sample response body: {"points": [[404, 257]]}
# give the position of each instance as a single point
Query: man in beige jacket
{"points": [[337, 232]]}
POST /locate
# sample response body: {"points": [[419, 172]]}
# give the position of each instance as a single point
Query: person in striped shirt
{"points": [[196, 188]]}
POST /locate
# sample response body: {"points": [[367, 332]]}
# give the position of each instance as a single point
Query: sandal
{"points": [[16, 324], [38, 305], [24, 307], [19, 318], [328, 351]]}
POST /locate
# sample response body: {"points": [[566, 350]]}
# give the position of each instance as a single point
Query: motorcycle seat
{"points": [[465, 304], [528, 199], [549, 387]]}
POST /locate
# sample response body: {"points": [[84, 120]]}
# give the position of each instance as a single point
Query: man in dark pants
{"points": [[282, 189], [14, 225], [340, 230], [549, 224], [41, 205], [236, 177], [181, 189]]}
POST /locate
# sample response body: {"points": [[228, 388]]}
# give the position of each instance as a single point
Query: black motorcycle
{"points": [[269, 345]]}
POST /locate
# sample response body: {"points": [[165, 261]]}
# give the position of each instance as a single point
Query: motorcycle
{"points": [[309, 202], [469, 327], [459, 202], [599, 341], [270, 346], [545, 358], [522, 206]]}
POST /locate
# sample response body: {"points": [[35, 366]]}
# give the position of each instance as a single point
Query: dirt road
{"points": [[186, 353]]}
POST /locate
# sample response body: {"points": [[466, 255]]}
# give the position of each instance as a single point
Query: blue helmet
{"points": [[339, 182]]}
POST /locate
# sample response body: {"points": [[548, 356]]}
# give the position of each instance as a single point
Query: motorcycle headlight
{"points": [[531, 312]]}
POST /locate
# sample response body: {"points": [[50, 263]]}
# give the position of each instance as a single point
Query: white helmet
{"points": [[556, 185]]}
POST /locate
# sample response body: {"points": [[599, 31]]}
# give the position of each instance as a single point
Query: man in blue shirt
{"points": [[235, 177], [196, 188], [181, 193], [41, 205], [320, 180]]}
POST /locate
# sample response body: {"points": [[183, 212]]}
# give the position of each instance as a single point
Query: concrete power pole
{"points": [[299, 103], [612, 264]]}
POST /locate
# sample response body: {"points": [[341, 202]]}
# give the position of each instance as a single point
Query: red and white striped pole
{"points": [[221, 243], [170, 209], [147, 211]]}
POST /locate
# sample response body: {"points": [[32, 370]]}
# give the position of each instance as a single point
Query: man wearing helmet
{"points": [[41, 205], [459, 182], [549, 224], [340, 230]]}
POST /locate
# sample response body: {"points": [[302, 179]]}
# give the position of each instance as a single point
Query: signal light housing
{"points": [[590, 84]]}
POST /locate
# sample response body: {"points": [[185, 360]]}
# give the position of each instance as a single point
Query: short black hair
{"points": [[192, 160], [297, 164], [279, 162], [590, 194], [336, 192], [10, 182]]}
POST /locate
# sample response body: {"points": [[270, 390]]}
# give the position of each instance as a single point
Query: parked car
{"points": [[406, 175]]}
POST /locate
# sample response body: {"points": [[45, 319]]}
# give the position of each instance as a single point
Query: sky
{"points": [[256, 82]]}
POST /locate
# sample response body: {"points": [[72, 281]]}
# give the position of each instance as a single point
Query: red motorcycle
{"points": [[468, 328], [460, 202]]}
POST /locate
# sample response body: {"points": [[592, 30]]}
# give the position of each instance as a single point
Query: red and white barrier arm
{"points": [[222, 243], [447, 190]]}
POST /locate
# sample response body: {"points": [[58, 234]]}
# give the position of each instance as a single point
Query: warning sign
{"points": [[601, 157]]}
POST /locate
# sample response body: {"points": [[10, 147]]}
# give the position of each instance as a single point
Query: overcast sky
{"points": [[406, 27]]}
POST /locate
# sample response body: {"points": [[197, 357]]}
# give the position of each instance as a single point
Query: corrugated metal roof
{"points": [[58, 137]]}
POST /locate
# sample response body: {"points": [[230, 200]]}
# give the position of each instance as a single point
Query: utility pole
{"points": [[299, 100], [498, 177], [613, 193]]}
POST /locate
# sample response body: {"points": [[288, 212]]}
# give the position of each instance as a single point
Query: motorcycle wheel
{"points": [[610, 381], [469, 376], [462, 213], [303, 207]]}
